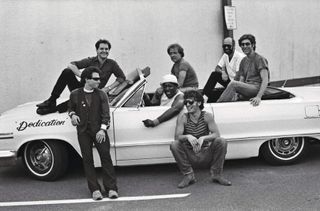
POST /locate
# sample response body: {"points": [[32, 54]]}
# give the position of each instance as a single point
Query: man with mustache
{"points": [[225, 71]]}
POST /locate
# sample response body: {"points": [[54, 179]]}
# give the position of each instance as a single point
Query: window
{"points": [[136, 98]]}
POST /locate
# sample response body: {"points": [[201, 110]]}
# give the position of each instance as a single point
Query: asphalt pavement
{"points": [[256, 186]]}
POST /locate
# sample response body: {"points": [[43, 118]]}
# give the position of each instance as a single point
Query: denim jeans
{"points": [[245, 89], [212, 156], [86, 140], [66, 78], [208, 90]]}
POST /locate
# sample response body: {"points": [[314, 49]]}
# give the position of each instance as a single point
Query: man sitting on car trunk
{"points": [[252, 79], [167, 95], [68, 77]]}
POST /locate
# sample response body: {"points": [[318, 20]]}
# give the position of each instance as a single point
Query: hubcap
{"points": [[40, 157], [286, 148]]}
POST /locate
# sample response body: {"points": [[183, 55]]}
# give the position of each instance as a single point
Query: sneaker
{"points": [[221, 180], [113, 194], [47, 104], [96, 195], [187, 180]]}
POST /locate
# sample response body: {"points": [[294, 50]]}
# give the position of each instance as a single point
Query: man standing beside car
{"points": [[89, 111], [167, 95], [68, 77], [252, 79], [226, 69]]}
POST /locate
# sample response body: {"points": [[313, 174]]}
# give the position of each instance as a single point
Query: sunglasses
{"points": [[95, 79], [245, 44], [190, 102], [226, 46]]}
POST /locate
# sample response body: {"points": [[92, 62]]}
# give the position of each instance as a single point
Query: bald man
{"points": [[226, 69]]}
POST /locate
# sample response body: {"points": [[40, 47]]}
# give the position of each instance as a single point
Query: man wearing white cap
{"points": [[168, 95], [226, 69]]}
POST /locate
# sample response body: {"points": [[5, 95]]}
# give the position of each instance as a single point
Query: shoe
{"points": [[62, 107], [113, 194], [96, 195], [221, 180], [44, 111], [187, 180], [47, 104]]}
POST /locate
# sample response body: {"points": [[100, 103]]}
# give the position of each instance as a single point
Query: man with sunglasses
{"points": [[168, 95], [252, 79], [89, 111], [226, 69], [68, 77], [198, 142]]}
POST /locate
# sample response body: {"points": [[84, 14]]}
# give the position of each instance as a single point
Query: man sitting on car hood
{"points": [[167, 95]]}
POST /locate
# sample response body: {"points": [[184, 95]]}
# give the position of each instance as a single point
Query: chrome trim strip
{"points": [[9, 137], [8, 154], [229, 140], [6, 135]]}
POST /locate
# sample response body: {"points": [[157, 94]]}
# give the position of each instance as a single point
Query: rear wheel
{"points": [[283, 151], [46, 159]]}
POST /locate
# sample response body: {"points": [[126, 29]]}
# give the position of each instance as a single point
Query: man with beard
{"points": [[225, 71], [167, 95], [68, 77]]}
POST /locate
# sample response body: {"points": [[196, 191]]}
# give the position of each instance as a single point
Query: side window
{"points": [[136, 99]]}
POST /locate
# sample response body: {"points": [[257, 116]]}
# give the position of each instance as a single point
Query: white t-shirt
{"points": [[165, 101], [232, 66]]}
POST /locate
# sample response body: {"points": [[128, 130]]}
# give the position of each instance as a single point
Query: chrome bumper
{"points": [[8, 158]]}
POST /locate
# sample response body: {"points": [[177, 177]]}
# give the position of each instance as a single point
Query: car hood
{"points": [[27, 110], [23, 110]]}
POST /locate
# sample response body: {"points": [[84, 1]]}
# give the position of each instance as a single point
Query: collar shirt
{"points": [[233, 65], [108, 67]]}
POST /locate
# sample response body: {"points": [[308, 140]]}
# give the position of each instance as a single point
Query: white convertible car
{"points": [[278, 129]]}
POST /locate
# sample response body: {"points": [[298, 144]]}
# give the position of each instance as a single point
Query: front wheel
{"points": [[46, 159], [283, 151]]}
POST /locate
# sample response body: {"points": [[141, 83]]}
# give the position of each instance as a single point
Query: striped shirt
{"points": [[197, 129]]}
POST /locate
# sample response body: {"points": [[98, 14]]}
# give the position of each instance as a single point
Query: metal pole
{"points": [[226, 32]]}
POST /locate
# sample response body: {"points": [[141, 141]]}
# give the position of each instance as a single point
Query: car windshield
{"points": [[130, 96]]}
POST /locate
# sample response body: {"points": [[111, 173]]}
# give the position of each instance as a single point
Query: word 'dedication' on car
{"points": [[24, 124]]}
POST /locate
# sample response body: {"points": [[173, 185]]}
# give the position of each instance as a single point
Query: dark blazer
{"points": [[91, 117]]}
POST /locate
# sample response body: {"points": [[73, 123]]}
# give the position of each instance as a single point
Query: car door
{"points": [[246, 127], [135, 143]]}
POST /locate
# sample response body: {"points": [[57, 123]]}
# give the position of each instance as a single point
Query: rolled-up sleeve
{"points": [[117, 71]]}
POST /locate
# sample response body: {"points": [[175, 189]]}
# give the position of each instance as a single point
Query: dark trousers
{"points": [[66, 79], [212, 156], [208, 90], [86, 139]]}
